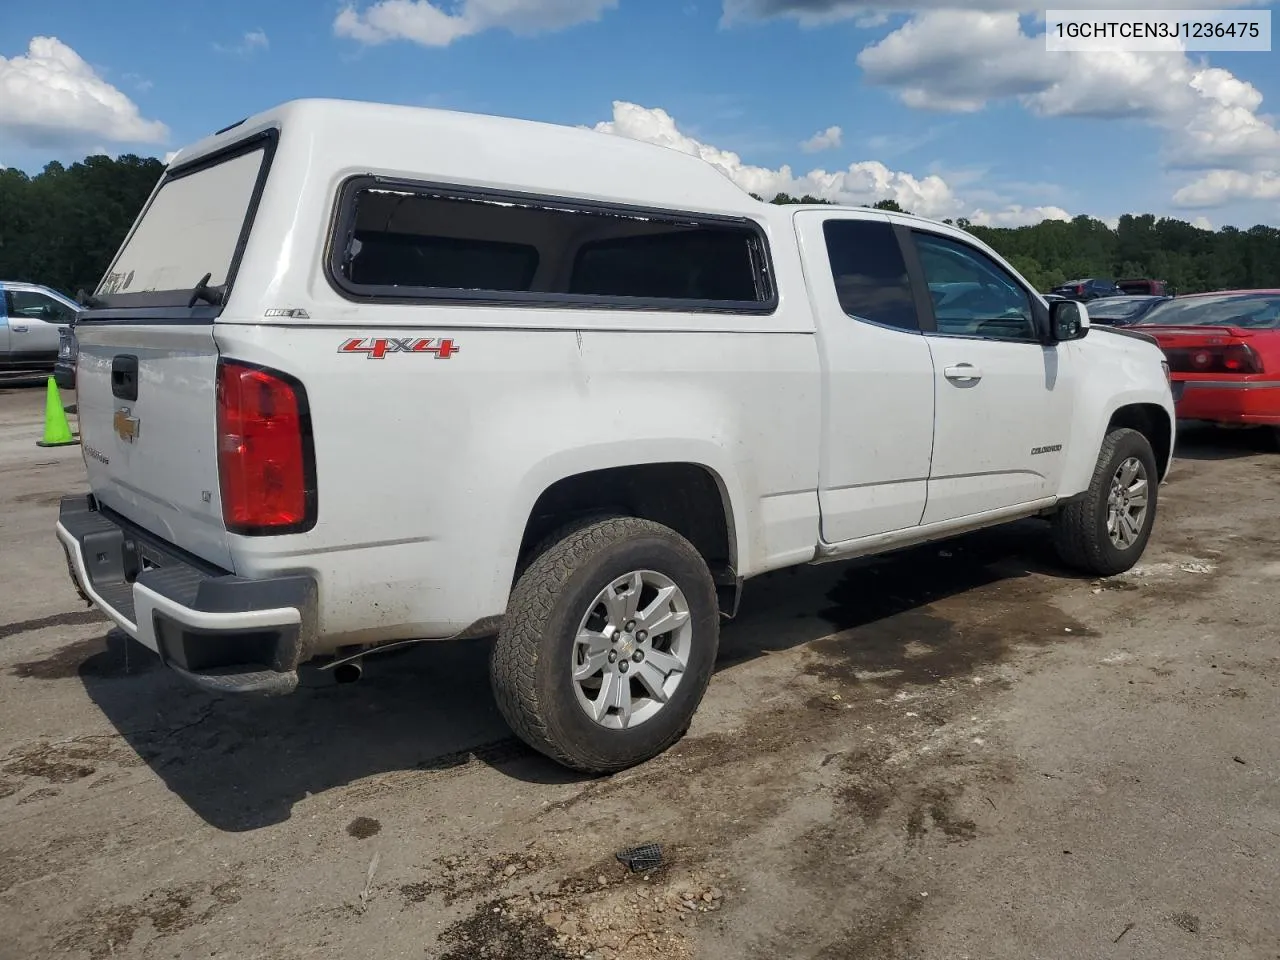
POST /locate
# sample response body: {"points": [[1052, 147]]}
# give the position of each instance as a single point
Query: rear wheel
{"points": [[607, 645], [1106, 531]]}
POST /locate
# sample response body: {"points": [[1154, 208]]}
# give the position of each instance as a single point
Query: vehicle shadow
{"points": [[1205, 441], [243, 764]]}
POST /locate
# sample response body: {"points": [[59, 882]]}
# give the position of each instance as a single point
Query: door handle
{"points": [[18, 329], [124, 377], [962, 372]]}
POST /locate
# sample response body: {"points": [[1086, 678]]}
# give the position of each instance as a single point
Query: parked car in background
{"points": [[64, 368], [1155, 288], [30, 317], [1223, 351], [1090, 288], [1121, 311]]}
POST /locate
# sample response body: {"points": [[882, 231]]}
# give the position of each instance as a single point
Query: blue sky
{"points": [[951, 113]]}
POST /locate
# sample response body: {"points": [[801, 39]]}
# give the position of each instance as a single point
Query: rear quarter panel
{"points": [[427, 469]]}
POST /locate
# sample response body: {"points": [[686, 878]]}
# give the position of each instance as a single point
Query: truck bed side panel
{"points": [[428, 467]]}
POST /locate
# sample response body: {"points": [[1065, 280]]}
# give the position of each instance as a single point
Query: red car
{"points": [[1223, 350]]}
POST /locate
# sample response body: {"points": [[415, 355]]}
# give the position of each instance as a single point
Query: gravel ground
{"points": [[957, 752]]}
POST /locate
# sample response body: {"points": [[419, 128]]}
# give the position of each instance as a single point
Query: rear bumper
{"points": [[219, 631], [1229, 401]]}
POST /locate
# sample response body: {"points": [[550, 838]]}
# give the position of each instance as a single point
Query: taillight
{"points": [[1240, 359], [266, 467], [1079, 289], [1231, 358]]}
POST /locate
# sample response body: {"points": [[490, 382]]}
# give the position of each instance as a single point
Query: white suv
{"points": [[363, 375]]}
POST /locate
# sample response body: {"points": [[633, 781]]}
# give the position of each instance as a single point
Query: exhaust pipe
{"points": [[349, 671]]}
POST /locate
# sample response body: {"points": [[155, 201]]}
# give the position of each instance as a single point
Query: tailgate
{"points": [[148, 424], [146, 375]]}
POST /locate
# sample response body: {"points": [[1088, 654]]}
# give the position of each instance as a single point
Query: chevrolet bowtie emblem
{"points": [[127, 426]]}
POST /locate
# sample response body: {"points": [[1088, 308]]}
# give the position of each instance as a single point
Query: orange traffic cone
{"points": [[57, 431]]}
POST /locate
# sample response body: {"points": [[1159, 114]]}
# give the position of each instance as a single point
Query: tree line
{"points": [[1189, 258], [62, 226]]}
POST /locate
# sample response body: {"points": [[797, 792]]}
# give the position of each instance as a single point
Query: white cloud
{"points": [[50, 97], [168, 157], [429, 25], [1218, 187], [1202, 223], [823, 140], [1017, 216], [863, 183], [958, 61], [250, 43]]}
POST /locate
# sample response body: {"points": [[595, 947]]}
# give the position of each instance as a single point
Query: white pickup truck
{"points": [[363, 375]]}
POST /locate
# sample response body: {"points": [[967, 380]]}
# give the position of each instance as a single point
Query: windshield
{"points": [[1252, 311], [191, 227], [1117, 309]]}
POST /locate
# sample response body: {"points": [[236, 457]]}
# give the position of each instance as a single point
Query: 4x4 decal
{"points": [[375, 348]]}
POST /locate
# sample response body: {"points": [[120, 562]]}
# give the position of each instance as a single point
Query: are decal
{"points": [[376, 348]]}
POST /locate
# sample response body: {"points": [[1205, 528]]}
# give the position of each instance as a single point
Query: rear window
{"points": [[1115, 309], [194, 226], [1248, 311], [423, 243]]}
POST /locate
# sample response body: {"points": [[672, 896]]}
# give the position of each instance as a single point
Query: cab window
{"points": [[31, 305], [973, 296]]}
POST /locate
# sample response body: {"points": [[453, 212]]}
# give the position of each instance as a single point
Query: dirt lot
{"points": [[959, 752]]}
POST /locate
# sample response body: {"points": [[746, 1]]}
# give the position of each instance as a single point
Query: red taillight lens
{"points": [[1079, 289], [1232, 358], [1238, 358], [264, 457]]}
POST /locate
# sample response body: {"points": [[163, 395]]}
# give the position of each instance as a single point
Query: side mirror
{"points": [[1068, 320]]}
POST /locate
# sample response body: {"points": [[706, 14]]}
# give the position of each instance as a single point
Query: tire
{"points": [[534, 657], [1080, 530]]}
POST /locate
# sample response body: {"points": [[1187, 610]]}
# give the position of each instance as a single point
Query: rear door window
{"points": [[870, 273]]}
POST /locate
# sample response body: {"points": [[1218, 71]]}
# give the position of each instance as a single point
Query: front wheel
{"points": [[608, 644], [1105, 531]]}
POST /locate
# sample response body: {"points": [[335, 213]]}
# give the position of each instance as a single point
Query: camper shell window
{"points": [[410, 242]]}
